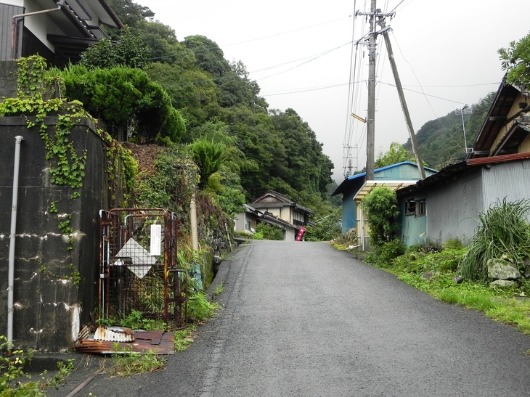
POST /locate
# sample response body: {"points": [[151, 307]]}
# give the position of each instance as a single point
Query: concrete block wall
{"points": [[8, 79], [49, 306]]}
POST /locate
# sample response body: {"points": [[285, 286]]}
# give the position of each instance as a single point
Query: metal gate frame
{"points": [[138, 266]]}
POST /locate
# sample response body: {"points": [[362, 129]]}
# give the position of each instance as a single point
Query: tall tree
{"points": [[192, 91], [516, 62], [210, 57]]}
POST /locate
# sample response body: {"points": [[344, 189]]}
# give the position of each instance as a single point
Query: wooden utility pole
{"points": [[384, 31]]}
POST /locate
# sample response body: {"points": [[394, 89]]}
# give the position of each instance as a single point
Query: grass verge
{"points": [[510, 306]]}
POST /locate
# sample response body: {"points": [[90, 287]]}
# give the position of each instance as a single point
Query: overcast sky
{"points": [[302, 54]]}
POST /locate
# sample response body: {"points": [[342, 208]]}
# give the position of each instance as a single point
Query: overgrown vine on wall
{"points": [[122, 169], [67, 166]]}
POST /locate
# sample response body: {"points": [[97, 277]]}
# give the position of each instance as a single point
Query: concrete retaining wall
{"points": [[49, 305]]}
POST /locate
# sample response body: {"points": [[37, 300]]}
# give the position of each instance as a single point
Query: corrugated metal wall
{"points": [[6, 18], [452, 210], [507, 180]]}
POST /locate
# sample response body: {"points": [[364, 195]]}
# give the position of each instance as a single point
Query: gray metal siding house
{"points": [[459, 193], [498, 168]]}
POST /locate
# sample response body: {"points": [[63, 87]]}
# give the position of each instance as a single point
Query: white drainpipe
{"points": [[12, 234]]}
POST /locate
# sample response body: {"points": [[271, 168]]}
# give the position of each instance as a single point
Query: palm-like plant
{"points": [[208, 155]]}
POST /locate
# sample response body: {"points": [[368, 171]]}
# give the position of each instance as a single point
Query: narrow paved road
{"points": [[302, 319]]}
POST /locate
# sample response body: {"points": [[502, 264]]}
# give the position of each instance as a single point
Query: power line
{"points": [[301, 90], [286, 32], [304, 63]]}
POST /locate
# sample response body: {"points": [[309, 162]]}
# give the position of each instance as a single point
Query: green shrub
{"points": [[428, 257], [385, 254], [382, 212], [325, 229], [264, 231], [136, 320], [200, 308]]}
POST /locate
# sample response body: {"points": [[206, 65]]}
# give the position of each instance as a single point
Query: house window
{"points": [[415, 207], [410, 207]]}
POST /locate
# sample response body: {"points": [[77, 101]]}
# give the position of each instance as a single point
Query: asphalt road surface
{"points": [[303, 319]]}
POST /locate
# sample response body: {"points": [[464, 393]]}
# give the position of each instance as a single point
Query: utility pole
{"points": [[370, 135], [384, 31], [370, 126]]}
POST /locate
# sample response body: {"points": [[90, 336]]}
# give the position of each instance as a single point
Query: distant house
{"points": [[497, 168], [276, 209], [247, 221], [355, 187], [58, 30]]}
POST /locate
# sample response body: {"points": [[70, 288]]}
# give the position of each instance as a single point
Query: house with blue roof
{"points": [[355, 187]]}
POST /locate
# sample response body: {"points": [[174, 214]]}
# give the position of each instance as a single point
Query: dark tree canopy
{"points": [[129, 12], [210, 57], [130, 104]]}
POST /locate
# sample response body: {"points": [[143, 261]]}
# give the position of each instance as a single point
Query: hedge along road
{"points": [[303, 319]]}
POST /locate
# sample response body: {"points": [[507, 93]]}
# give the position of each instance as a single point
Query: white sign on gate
{"points": [[141, 260], [156, 239]]}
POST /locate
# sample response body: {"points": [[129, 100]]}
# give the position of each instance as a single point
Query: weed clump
{"points": [[503, 232]]}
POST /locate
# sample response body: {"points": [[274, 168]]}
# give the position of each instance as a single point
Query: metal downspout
{"points": [[12, 234]]}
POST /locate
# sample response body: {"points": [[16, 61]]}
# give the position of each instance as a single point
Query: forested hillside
{"points": [[441, 141], [251, 147]]}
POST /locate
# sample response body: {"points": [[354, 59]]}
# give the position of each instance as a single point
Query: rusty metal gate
{"points": [[138, 269]]}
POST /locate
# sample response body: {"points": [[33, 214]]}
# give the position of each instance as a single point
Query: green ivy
{"points": [[122, 169], [68, 167], [33, 78]]}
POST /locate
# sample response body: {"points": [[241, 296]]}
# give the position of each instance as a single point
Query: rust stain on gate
{"points": [[138, 266]]}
